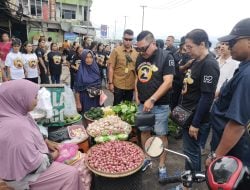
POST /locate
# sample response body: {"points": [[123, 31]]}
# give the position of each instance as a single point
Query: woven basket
{"points": [[88, 120], [116, 175]]}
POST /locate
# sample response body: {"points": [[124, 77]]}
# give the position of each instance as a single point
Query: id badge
{"points": [[126, 70]]}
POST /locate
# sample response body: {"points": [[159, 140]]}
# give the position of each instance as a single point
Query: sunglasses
{"points": [[142, 49], [232, 42], [128, 39]]}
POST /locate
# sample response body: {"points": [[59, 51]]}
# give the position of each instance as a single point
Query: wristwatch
{"points": [[212, 155], [153, 100]]}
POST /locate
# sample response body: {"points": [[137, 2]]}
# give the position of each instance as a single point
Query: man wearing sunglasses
{"points": [[231, 111], [155, 69], [122, 69]]}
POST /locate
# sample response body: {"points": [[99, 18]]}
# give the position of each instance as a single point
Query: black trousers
{"points": [[35, 80], [122, 95], [43, 76]]}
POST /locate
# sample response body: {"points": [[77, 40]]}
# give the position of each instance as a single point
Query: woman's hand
{"points": [[4, 186], [53, 146], [193, 132], [55, 154], [79, 106]]}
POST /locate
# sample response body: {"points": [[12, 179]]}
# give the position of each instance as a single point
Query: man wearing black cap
{"points": [[231, 111]]}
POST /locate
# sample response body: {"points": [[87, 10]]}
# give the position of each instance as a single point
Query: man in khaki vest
{"points": [[122, 69]]}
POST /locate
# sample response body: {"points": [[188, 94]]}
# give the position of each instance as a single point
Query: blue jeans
{"points": [[161, 119], [55, 79], [191, 148], [204, 131]]}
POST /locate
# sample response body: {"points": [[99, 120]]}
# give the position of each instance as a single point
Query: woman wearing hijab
{"points": [[26, 159], [88, 76]]}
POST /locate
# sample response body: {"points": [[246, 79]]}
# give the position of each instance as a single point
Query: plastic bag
{"points": [[103, 98], [67, 152], [69, 102], [44, 102]]}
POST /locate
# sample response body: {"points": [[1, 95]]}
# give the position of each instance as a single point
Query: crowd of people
{"points": [[213, 86]]}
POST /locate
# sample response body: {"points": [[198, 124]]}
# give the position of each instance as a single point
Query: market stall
{"points": [[113, 159], [64, 125]]}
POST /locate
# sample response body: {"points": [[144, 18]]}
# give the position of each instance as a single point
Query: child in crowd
{"points": [[55, 63], [31, 63], [15, 62]]}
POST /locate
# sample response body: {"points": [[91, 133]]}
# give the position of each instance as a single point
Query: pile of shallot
{"points": [[115, 157], [110, 125]]}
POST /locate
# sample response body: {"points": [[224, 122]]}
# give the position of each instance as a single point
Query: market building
{"points": [[59, 19]]}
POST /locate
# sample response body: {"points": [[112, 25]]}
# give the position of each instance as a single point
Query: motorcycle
{"points": [[224, 173]]}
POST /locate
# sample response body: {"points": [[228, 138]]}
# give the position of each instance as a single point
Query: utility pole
{"points": [[88, 12], [143, 6], [115, 31], [125, 22]]}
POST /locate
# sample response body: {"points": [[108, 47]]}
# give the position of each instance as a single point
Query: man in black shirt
{"points": [[170, 44], [155, 71], [43, 65]]}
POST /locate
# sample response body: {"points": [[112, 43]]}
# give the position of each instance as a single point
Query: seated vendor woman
{"points": [[26, 159]]}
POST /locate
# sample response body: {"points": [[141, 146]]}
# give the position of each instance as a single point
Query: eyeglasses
{"points": [[142, 49], [224, 43], [232, 42], [128, 39]]}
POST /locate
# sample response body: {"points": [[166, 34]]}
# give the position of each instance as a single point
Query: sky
{"points": [[169, 17]]}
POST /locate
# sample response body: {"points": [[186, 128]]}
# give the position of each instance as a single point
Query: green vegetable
{"points": [[122, 137], [94, 113], [126, 111]]}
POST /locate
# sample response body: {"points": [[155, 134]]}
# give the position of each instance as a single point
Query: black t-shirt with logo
{"points": [[150, 73], [55, 60], [40, 53], [204, 76]]}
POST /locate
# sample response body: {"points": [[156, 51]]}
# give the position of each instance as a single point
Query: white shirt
{"points": [[31, 65], [15, 62], [226, 70]]}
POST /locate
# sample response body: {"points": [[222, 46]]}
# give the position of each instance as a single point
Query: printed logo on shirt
{"points": [[32, 63], [145, 71], [18, 63], [208, 79], [187, 81], [57, 59], [171, 63]]}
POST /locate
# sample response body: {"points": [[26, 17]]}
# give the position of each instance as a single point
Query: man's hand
{"points": [[208, 162], [111, 87], [193, 132], [137, 100], [148, 105]]}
